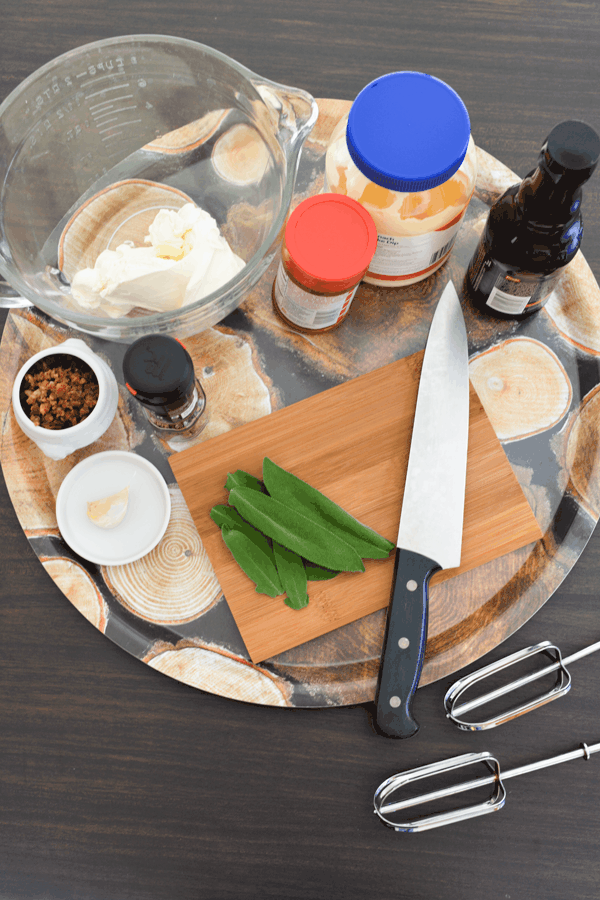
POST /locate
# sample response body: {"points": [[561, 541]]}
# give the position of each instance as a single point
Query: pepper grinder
{"points": [[159, 372]]}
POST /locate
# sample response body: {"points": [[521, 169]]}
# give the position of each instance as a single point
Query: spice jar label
{"points": [[307, 309]]}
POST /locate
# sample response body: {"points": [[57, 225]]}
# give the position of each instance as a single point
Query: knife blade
{"points": [[431, 520]]}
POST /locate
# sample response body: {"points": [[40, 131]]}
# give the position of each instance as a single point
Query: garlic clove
{"points": [[109, 511]]}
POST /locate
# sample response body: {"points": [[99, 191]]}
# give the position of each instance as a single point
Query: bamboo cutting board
{"points": [[352, 443]]}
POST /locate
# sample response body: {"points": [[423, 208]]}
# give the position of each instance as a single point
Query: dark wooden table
{"points": [[117, 783]]}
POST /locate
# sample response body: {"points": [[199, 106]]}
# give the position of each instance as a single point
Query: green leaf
{"points": [[296, 604], [244, 480], [286, 525], [291, 490], [253, 553], [227, 516], [318, 573], [291, 571]]}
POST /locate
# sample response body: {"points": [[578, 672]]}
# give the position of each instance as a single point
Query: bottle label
{"points": [[507, 303], [511, 294], [307, 309], [400, 258]]}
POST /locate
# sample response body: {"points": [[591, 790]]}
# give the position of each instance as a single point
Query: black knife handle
{"points": [[403, 644]]}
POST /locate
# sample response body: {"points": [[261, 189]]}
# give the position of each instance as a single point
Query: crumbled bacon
{"points": [[59, 391]]}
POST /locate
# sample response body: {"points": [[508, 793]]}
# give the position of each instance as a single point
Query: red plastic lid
{"points": [[330, 240]]}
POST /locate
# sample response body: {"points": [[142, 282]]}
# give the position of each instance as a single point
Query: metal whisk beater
{"points": [[454, 710], [384, 808]]}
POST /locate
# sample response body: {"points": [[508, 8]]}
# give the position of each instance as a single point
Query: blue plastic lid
{"points": [[408, 131]]}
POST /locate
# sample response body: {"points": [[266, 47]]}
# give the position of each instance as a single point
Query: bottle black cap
{"points": [[158, 371], [572, 148]]}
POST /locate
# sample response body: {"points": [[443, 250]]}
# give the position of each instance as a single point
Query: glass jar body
{"points": [[184, 420], [415, 231], [308, 310]]}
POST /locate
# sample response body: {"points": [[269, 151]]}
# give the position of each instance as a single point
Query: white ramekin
{"points": [[58, 444]]}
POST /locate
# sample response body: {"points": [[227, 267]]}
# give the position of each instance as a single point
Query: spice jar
{"points": [[159, 373], [405, 152], [328, 244]]}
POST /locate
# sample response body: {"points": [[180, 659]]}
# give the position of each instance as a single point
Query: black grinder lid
{"points": [[158, 371]]}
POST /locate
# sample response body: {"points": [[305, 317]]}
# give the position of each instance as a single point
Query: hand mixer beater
{"points": [[386, 806]]}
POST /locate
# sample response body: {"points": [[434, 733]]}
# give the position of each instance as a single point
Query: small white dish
{"points": [[63, 442], [145, 521]]}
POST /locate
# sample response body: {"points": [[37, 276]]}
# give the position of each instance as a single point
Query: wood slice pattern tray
{"points": [[538, 381]]}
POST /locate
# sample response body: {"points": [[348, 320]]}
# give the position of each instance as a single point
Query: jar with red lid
{"points": [[328, 244]]}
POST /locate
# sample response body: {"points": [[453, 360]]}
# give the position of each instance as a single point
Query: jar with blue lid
{"points": [[406, 154]]}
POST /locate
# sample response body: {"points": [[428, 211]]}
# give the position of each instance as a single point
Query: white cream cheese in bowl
{"points": [[60, 443], [188, 258]]}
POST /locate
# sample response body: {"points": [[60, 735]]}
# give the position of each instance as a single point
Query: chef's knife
{"points": [[431, 520]]}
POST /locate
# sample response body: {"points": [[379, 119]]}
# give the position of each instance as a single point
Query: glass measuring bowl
{"points": [[141, 110]]}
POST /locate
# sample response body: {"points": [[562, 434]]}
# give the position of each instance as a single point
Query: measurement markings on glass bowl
{"points": [[111, 112], [116, 87], [106, 67], [105, 108], [115, 118], [108, 103], [120, 125]]}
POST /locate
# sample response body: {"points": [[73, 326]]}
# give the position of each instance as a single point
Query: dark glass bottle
{"points": [[159, 373], [534, 229]]}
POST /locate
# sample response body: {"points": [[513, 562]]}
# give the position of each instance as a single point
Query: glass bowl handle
{"points": [[294, 111], [10, 299]]}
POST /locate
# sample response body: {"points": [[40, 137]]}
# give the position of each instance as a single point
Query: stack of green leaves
{"points": [[284, 533]]}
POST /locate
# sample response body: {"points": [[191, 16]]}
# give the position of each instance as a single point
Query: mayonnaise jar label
{"points": [[399, 258]]}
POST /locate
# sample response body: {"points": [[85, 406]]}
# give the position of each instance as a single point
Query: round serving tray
{"points": [[539, 381]]}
